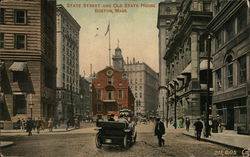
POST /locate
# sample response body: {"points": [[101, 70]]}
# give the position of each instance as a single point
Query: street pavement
{"points": [[81, 143]]}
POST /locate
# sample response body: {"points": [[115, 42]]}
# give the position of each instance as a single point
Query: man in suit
{"points": [[159, 131], [198, 128]]}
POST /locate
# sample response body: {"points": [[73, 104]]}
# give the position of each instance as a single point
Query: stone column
{"points": [[162, 66], [195, 83]]}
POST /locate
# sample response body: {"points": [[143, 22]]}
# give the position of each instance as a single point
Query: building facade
{"points": [[167, 11], [110, 93], [85, 98], [68, 98], [28, 59], [186, 61], [231, 75], [143, 82]]}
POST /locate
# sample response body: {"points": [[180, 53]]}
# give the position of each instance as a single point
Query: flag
{"points": [[108, 29]]}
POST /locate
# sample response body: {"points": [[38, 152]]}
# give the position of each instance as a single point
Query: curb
{"points": [[216, 142], [7, 144], [40, 131]]}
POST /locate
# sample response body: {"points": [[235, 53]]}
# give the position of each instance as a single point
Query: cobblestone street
{"points": [[79, 143]]}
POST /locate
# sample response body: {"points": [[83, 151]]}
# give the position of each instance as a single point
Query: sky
{"points": [[135, 29]]}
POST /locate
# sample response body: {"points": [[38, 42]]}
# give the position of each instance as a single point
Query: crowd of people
{"points": [[39, 124]]}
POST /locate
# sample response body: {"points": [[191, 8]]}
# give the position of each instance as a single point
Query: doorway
{"points": [[230, 117]]}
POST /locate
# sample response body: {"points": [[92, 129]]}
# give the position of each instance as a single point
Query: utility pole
{"points": [[208, 84]]}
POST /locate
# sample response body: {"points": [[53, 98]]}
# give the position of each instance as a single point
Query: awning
{"points": [[18, 66], [203, 65], [181, 77], [187, 70], [109, 100]]}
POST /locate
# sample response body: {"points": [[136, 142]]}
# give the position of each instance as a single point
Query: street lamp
{"points": [[208, 84]]}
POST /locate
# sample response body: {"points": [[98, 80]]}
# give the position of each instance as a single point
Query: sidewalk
{"points": [[5, 143], [42, 131], [227, 139]]}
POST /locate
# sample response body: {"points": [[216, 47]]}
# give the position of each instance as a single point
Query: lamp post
{"points": [[208, 84]]}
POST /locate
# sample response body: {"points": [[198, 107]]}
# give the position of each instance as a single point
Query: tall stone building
{"points": [[143, 82], [231, 60], [167, 11], [85, 98], [28, 59], [186, 60], [68, 98]]}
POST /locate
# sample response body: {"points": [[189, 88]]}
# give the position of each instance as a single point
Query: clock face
{"points": [[109, 73]]}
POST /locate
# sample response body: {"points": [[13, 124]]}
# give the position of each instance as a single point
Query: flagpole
{"points": [[109, 47]]}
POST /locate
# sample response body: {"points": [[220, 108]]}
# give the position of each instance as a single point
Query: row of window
{"points": [[234, 26], [140, 88], [20, 41], [136, 95], [131, 81], [20, 16], [69, 79], [110, 94], [229, 75], [68, 87]]}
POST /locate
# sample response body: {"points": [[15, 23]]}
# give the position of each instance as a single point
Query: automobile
{"points": [[115, 133]]}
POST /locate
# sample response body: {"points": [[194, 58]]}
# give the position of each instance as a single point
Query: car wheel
{"points": [[98, 142], [126, 142]]}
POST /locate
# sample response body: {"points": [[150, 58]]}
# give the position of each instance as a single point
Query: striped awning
{"points": [[203, 65], [187, 70], [18, 66]]}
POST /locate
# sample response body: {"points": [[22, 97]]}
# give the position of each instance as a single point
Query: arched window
{"points": [[229, 71]]}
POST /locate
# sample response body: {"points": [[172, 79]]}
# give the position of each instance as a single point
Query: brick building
{"points": [[28, 57], [110, 93]]}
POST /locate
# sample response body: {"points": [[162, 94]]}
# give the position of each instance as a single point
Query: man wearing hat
{"points": [[159, 131], [111, 118]]}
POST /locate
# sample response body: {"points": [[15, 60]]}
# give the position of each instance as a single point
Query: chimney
{"points": [[133, 60], [127, 60]]}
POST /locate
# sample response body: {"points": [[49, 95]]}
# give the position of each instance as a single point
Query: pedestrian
{"points": [[198, 128], [23, 124], [159, 131], [38, 125], [219, 121], [68, 124], [19, 123], [29, 126], [111, 118], [50, 125], [187, 123]]}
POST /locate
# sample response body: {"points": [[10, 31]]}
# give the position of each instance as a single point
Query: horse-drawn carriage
{"points": [[116, 132]]}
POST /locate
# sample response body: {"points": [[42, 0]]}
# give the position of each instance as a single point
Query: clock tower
{"points": [[118, 61]]}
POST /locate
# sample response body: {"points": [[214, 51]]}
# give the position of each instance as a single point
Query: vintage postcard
{"points": [[127, 78]]}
